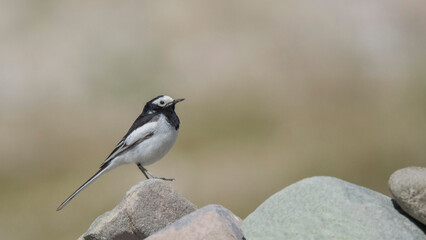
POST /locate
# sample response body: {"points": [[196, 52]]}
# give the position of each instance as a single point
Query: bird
{"points": [[149, 138]]}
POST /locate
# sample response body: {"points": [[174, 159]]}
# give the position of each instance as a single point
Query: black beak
{"points": [[174, 102], [177, 100]]}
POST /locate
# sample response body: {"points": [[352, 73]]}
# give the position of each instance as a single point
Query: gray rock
{"points": [[329, 208], [408, 187], [211, 222], [147, 207]]}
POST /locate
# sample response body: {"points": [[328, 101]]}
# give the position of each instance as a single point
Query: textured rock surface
{"points": [[329, 208], [211, 222], [147, 207], [408, 187]]}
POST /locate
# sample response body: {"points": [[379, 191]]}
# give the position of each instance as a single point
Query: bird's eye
{"points": [[161, 102]]}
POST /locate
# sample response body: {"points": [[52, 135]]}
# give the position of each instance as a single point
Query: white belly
{"points": [[153, 148]]}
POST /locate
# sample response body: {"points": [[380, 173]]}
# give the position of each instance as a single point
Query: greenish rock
{"points": [[329, 208]]}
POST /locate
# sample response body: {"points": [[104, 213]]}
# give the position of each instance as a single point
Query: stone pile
{"points": [[313, 208]]}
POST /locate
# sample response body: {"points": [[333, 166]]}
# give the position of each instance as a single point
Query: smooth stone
{"points": [[211, 222], [329, 208]]}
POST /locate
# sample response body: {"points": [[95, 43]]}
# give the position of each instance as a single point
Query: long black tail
{"points": [[86, 184]]}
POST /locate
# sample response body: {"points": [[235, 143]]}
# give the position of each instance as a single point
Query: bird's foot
{"points": [[146, 173], [165, 179]]}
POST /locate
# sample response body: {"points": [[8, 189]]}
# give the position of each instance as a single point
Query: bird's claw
{"points": [[165, 179]]}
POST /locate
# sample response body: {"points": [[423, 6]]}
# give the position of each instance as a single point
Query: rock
{"points": [[408, 187], [211, 222], [147, 207], [329, 208]]}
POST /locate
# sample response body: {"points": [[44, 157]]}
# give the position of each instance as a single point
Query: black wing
{"points": [[121, 146]]}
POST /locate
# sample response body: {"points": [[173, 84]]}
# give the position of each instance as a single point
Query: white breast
{"points": [[151, 149]]}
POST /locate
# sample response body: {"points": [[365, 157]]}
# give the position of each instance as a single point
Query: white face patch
{"points": [[163, 101]]}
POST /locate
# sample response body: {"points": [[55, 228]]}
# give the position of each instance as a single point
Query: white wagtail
{"points": [[150, 137]]}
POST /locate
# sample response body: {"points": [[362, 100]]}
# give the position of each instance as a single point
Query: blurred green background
{"points": [[275, 91]]}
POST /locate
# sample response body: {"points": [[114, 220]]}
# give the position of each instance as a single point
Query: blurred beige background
{"points": [[275, 91]]}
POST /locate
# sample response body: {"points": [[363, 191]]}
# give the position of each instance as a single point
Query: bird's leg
{"points": [[145, 172]]}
